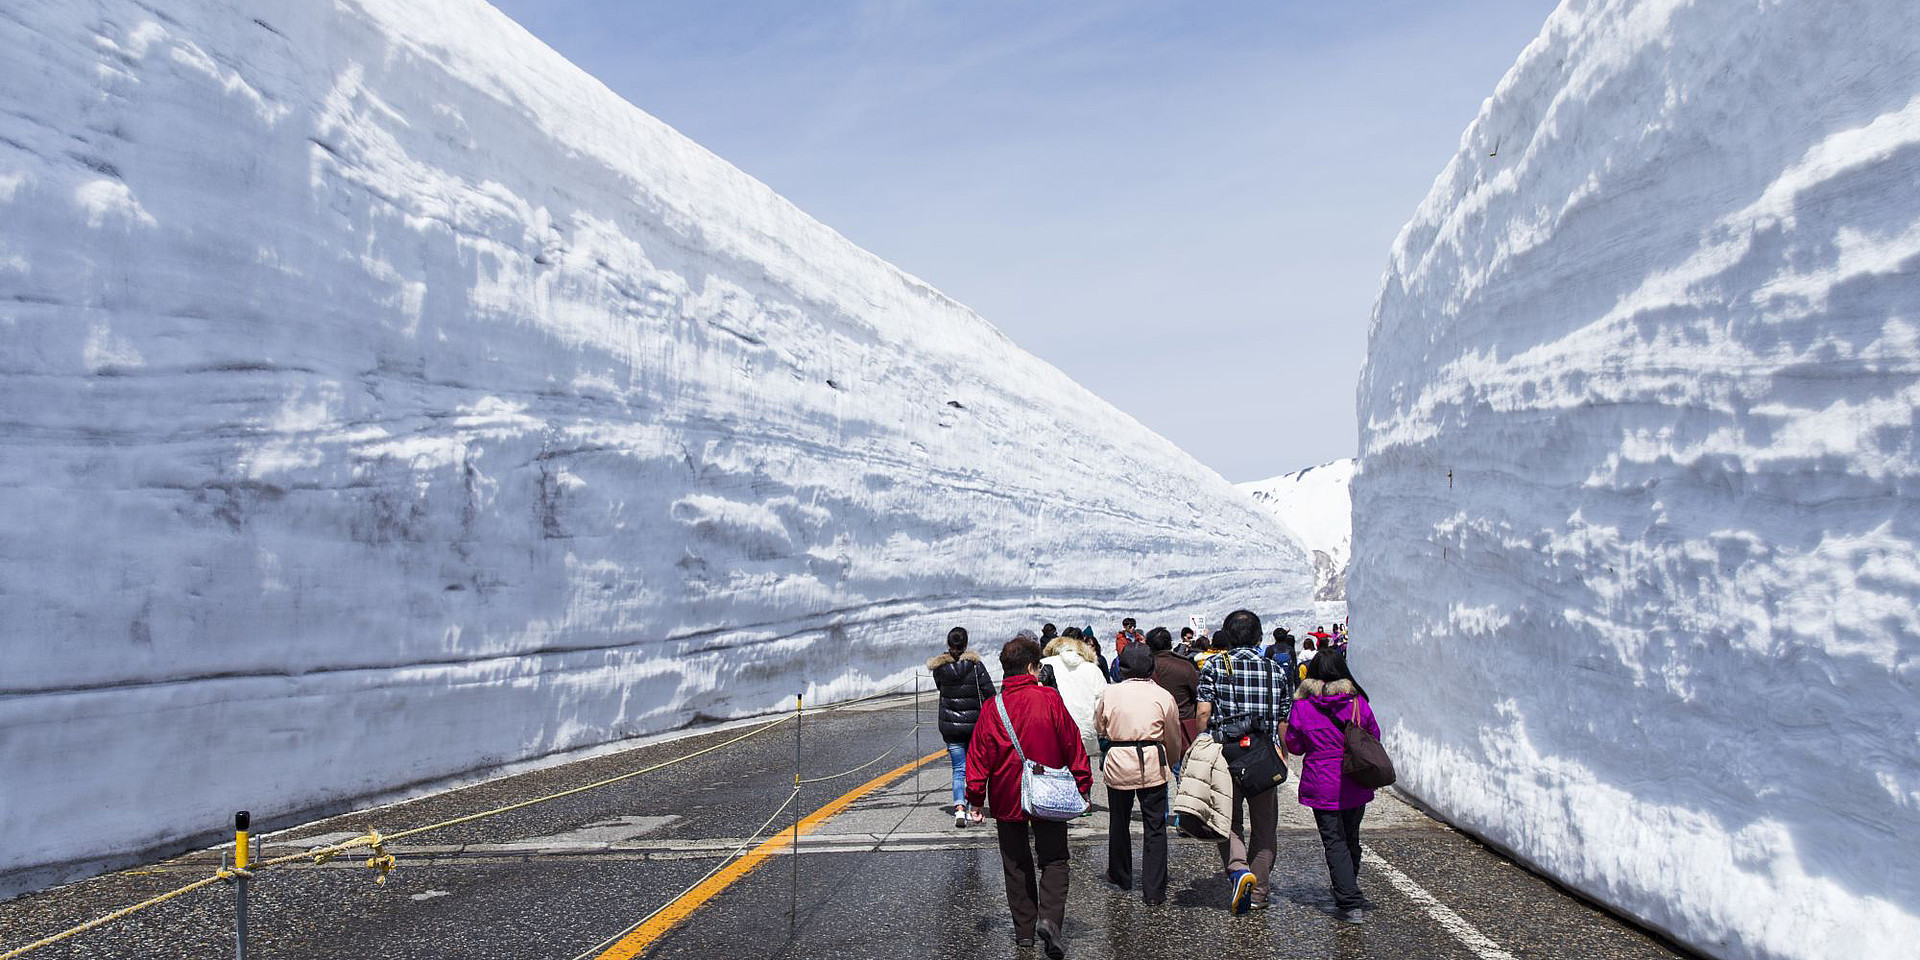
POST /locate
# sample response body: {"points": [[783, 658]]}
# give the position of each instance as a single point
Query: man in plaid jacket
{"points": [[1241, 682]]}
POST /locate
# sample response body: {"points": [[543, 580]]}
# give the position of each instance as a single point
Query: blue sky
{"points": [[1186, 206]]}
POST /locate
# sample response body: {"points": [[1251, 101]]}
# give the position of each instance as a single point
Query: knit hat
{"points": [[1136, 661]]}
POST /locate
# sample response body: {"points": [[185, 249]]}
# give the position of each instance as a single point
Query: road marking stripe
{"points": [[670, 916], [1481, 944]]}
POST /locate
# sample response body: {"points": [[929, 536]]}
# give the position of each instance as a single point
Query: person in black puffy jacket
{"points": [[964, 686]]}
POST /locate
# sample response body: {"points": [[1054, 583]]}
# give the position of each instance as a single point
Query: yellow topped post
{"points": [[241, 849], [242, 855]]}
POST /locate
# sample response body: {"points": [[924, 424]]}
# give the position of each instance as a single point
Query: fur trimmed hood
{"points": [[946, 658], [1321, 688], [1061, 645]]}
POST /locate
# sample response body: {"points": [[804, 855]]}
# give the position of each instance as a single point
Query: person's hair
{"points": [[1071, 632], [1128, 623], [1330, 666], [1135, 661], [1242, 628], [957, 638], [1048, 631], [1017, 655], [1159, 639], [1186, 633], [1285, 641], [1307, 644]]}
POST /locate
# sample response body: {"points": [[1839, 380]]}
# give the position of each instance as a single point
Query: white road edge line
{"points": [[1481, 944]]}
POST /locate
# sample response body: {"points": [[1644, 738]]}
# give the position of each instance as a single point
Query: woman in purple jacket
{"points": [[1327, 701]]}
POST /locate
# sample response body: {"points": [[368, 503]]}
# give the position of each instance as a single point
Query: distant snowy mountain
{"points": [[1635, 544], [1317, 507], [385, 398]]}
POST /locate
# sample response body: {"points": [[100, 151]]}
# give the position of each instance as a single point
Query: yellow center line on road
{"points": [[673, 914]]}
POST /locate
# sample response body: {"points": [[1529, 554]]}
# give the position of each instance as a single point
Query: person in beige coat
{"points": [[1142, 723]]}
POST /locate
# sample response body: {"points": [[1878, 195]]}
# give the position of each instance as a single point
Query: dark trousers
{"points": [[1030, 901], [1250, 847], [1153, 822], [1340, 834]]}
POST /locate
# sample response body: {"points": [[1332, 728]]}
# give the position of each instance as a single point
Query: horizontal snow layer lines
{"points": [[1638, 473], [385, 399]]}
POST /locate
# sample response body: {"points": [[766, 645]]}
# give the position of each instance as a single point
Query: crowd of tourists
{"points": [[1194, 733]]}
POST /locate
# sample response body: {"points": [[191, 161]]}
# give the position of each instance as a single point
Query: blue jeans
{"points": [[957, 755]]}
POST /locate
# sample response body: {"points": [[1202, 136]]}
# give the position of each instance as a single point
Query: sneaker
{"points": [[960, 818], [1050, 939], [1024, 943], [1242, 891], [1354, 916]]}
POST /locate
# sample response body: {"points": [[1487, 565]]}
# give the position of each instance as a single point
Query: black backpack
{"points": [[1365, 761]]}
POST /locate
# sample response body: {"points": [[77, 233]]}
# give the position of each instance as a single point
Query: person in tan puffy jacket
{"points": [[1142, 724], [1204, 801]]}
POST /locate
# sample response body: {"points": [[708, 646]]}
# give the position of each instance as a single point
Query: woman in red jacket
{"points": [[1051, 738]]}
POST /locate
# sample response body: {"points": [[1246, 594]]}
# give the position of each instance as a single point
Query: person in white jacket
{"points": [[1077, 675]]}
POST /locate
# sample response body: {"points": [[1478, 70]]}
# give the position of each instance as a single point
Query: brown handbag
{"points": [[1364, 760]]}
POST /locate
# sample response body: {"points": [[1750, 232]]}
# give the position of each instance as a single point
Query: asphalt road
{"points": [[889, 876]]}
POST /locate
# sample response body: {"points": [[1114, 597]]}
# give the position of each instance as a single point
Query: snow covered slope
{"points": [[1639, 487], [1317, 506], [385, 398]]}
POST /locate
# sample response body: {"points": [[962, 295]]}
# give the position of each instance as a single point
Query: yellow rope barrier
{"points": [[384, 861], [381, 860], [109, 918], [890, 752]]}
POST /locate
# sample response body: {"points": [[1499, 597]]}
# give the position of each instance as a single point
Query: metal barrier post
{"points": [[918, 791], [241, 857], [793, 894]]}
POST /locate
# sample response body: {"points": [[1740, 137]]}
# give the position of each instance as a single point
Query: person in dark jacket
{"points": [[1048, 735], [1281, 652], [1186, 646], [964, 685], [1181, 678]]}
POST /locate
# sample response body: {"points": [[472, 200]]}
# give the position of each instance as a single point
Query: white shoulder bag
{"points": [[1046, 793]]}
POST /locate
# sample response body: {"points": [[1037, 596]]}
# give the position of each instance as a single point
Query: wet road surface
{"points": [[888, 876]]}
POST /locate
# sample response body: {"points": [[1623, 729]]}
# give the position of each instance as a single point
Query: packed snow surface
{"points": [[1316, 504], [385, 398], [1638, 510]]}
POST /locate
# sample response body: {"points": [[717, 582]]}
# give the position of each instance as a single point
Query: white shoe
{"points": [[960, 818]]}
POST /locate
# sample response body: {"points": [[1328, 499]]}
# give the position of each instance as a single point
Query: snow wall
{"points": [[385, 398], [1638, 505]]}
